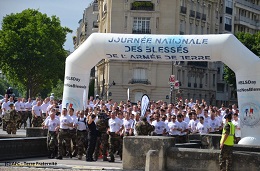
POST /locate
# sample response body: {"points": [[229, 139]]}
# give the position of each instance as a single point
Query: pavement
{"points": [[43, 163]]}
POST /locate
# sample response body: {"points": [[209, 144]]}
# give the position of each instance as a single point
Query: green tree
{"points": [[252, 42], [58, 90], [31, 50]]}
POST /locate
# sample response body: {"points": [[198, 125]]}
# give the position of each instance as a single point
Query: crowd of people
{"points": [[100, 128]]}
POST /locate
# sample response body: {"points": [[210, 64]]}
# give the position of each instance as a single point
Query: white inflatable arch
{"points": [[221, 47]]}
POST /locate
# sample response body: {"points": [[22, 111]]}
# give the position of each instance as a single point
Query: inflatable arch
{"points": [[221, 47]]}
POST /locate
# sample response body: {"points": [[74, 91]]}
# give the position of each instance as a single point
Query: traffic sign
{"points": [[172, 79], [176, 84]]}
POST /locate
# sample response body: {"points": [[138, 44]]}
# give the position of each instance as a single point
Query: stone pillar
{"points": [[152, 162], [135, 149]]}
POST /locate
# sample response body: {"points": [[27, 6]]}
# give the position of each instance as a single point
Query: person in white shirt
{"points": [[214, 122], [28, 107], [159, 126], [115, 128], [37, 115], [44, 108], [73, 132], [65, 123], [81, 126], [236, 122], [17, 105], [5, 108], [202, 127], [173, 126], [183, 128], [24, 113], [128, 124], [52, 140], [193, 123]]}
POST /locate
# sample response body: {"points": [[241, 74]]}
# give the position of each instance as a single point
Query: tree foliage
{"points": [[31, 50], [252, 42]]}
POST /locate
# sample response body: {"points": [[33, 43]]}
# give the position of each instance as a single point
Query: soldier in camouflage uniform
{"points": [[143, 127], [102, 125], [52, 141], [81, 133], [11, 118]]}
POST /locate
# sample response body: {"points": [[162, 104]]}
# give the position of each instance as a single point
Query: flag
{"points": [[144, 104], [128, 94]]}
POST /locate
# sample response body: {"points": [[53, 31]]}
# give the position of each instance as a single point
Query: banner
{"points": [[144, 104]]}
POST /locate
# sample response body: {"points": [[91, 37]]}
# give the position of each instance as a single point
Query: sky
{"points": [[68, 11]]}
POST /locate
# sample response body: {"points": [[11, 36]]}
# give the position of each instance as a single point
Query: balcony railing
{"points": [[248, 4], [183, 10], [139, 81], [246, 20], [142, 5], [192, 13], [198, 15], [141, 31]]}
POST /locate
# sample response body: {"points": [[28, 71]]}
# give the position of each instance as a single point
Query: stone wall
{"points": [[160, 153], [16, 148], [36, 132]]}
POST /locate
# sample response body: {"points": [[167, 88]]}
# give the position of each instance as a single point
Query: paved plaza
{"points": [[43, 163]]}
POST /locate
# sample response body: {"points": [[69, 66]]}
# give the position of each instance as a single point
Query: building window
{"points": [[229, 3], [125, 21], [228, 24], [141, 25], [139, 76]]}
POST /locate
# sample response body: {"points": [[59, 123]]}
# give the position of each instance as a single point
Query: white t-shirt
{"points": [[52, 124], [237, 125], [65, 120], [28, 106], [37, 110], [214, 124], [81, 124], [22, 104], [5, 107], [159, 126], [173, 126], [44, 107], [17, 106], [183, 125], [203, 128], [193, 124], [128, 124], [115, 124], [74, 119]]}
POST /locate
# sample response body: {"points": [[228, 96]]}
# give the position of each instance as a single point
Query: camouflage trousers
{"points": [[29, 115], [11, 127], [64, 135], [81, 141], [24, 118], [19, 122], [115, 144], [225, 158], [73, 136], [103, 141], [37, 121], [52, 140]]}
